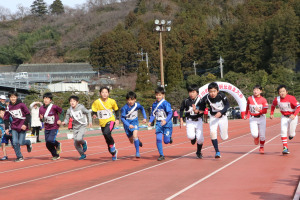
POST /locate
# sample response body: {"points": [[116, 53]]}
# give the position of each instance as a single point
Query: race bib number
{"points": [[17, 113], [78, 115], [191, 111], [104, 114], [218, 106], [160, 115], [252, 108], [50, 119], [285, 107], [133, 115]]}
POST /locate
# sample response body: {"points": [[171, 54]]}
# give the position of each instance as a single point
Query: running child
{"points": [[218, 105], [49, 114], [194, 124], [5, 138], [103, 109], [19, 125], [129, 117], [257, 107], [79, 114], [162, 112], [289, 108]]}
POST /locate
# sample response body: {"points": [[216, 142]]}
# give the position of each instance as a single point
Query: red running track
{"points": [[241, 173]]}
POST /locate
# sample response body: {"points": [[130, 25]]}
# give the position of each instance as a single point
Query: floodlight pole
{"points": [[162, 80]]}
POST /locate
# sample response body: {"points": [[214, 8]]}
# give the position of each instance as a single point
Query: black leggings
{"points": [[36, 131], [106, 131]]}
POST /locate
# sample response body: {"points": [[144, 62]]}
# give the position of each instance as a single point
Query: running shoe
{"points": [[58, 149], [261, 150], [193, 141], [84, 146], [140, 144], [4, 158], [55, 158], [19, 159], [160, 158], [256, 141], [82, 157], [199, 155], [115, 156], [218, 155], [29, 148], [291, 137], [285, 151], [171, 140], [137, 155]]}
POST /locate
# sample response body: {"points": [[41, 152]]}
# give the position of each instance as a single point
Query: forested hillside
{"points": [[259, 41]]}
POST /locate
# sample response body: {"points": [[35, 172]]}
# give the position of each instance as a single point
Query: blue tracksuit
{"points": [[163, 112], [131, 119]]}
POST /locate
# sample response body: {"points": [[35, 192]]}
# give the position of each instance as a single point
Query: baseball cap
{"points": [[2, 97]]}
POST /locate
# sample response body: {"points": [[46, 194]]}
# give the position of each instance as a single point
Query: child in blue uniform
{"points": [[162, 112], [129, 117]]}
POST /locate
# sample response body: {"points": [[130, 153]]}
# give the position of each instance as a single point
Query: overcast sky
{"points": [[12, 4]]}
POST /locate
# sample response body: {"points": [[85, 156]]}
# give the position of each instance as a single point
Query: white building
{"points": [[69, 86]]}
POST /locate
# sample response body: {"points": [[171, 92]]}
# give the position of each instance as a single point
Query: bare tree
{"points": [[22, 11], [4, 13]]}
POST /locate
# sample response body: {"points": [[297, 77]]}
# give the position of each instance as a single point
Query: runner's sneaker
{"points": [[4, 158], [261, 150], [285, 151], [256, 141], [160, 158], [19, 159], [171, 140], [137, 155], [140, 143], [291, 137], [193, 141], [199, 155], [58, 149], [218, 155], [55, 158], [29, 148], [84, 146], [82, 157], [115, 156]]}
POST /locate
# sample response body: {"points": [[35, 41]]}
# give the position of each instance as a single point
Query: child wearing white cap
{"points": [[2, 101]]}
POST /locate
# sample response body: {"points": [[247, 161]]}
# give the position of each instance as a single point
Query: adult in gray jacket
{"points": [[79, 114]]}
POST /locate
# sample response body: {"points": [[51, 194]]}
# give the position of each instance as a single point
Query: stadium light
{"points": [[162, 26]]}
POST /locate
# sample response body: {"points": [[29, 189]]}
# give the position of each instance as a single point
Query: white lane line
{"points": [[130, 174], [81, 168], [297, 193], [216, 171]]}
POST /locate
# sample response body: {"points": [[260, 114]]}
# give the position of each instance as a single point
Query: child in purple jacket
{"points": [[49, 113], [21, 118]]}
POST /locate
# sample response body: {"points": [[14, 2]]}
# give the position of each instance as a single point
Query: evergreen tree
{"points": [[39, 8], [57, 7], [173, 70], [143, 78]]}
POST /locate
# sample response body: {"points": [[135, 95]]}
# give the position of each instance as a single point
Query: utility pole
{"points": [[142, 54], [195, 67], [221, 61]]}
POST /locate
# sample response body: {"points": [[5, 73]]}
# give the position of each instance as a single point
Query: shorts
{"points": [[129, 131], [5, 139], [166, 129]]}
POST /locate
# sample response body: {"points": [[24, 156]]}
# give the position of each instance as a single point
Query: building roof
{"points": [[7, 68], [55, 67]]}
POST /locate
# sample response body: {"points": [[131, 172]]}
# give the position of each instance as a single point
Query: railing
{"points": [[15, 80]]}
